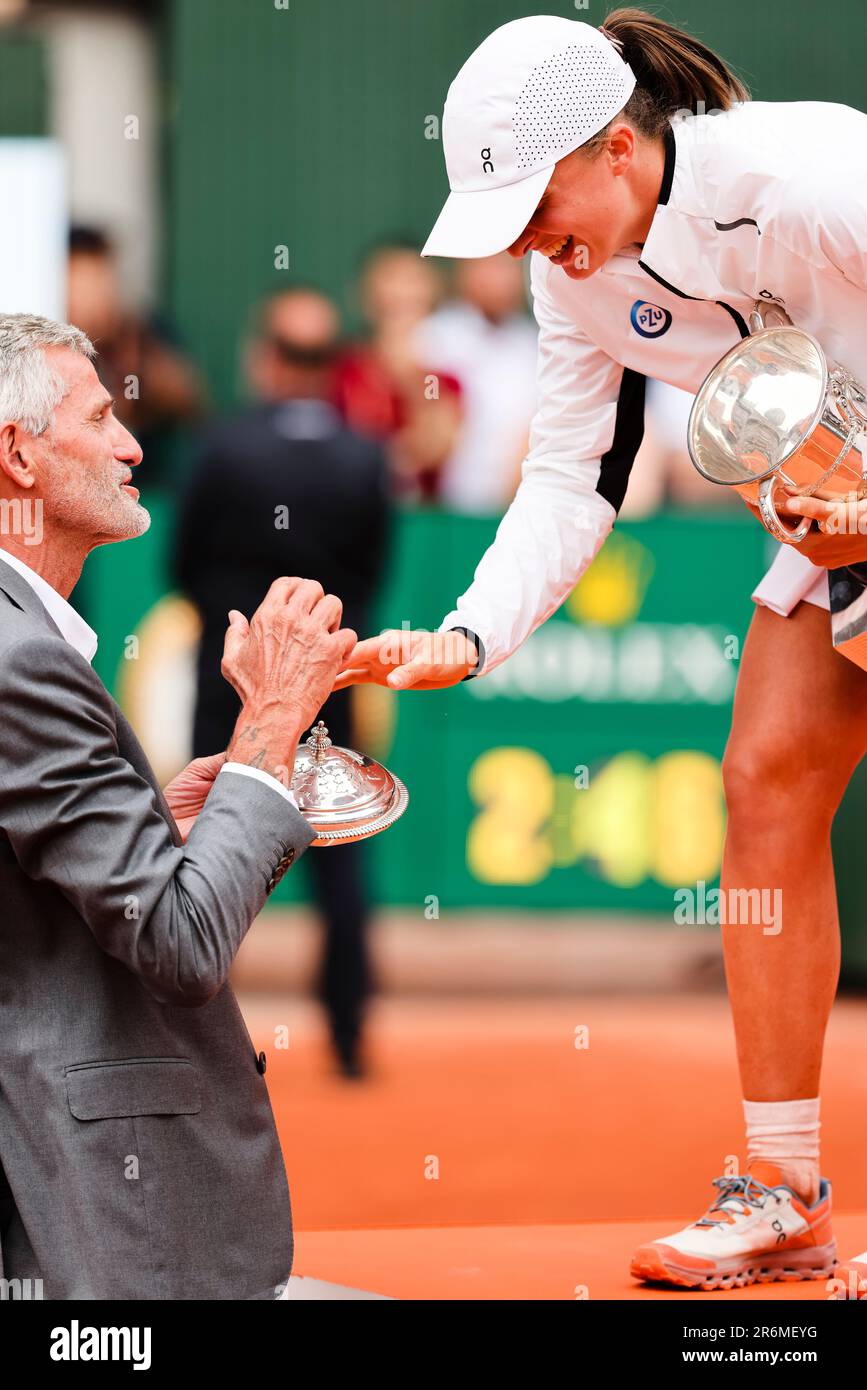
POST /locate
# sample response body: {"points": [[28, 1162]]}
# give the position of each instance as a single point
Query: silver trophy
{"points": [[776, 410], [344, 795]]}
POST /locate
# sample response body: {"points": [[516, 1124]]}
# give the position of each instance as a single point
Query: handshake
{"points": [[285, 662]]}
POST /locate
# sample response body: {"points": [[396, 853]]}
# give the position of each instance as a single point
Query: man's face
{"points": [[84, 460], [93, 296], [291, 358], [585, 215]]}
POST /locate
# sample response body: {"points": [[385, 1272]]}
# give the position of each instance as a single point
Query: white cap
{"points": [[532, 92]]}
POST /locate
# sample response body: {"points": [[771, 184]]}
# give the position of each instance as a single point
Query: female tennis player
{"points": [[659, 203]]}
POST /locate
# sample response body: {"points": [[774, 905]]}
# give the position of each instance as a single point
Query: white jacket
{"points": [[767, 200]]}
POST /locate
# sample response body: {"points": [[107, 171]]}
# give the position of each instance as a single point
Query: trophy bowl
{"points": [[776, 410], [344, 795]]}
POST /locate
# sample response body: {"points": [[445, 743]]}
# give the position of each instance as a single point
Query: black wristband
{"points": [[480, 651]]}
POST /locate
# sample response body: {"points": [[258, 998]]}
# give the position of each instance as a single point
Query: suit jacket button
{"points": [[261, 1064]]}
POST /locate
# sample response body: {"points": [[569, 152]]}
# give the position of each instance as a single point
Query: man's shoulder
{"points": [[31, 650], [271, 427], [236, 428], [17, 625]]}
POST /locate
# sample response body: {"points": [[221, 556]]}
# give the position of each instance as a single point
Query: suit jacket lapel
{"points": [[15, 586]]}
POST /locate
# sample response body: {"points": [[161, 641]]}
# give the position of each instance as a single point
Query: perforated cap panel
{"points": [[566, 99]]}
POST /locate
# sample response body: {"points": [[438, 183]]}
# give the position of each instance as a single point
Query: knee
{"points": [[747, 768], [768, 783]]}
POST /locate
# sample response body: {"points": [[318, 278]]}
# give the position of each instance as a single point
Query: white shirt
{"points": [[768, 199], [83, 638], [495, 364], [73, 627]]}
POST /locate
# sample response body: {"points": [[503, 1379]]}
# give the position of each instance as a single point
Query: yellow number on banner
{"points": [[690, 817], [635, 819], [612, 819], [507, 841]]}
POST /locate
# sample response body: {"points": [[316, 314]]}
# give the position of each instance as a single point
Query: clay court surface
{"points": [[553, 1161]]}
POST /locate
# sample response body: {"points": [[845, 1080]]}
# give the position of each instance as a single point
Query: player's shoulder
{"points": [[777, 139]]}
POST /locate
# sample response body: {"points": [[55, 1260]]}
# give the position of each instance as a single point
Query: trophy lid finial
{"points": [[343, 795], [319, 742]]}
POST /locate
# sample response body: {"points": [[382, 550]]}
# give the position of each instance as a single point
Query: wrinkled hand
{"points": [[285, 658], [405, 660], [187, 793], [282, 663]]}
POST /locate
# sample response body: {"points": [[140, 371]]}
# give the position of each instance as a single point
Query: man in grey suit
{"points": [[138, 1153]]}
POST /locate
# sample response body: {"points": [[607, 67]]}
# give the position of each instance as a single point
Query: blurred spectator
{"points": [[486, 339], [155, 387], [292, 455], [382, 390]]}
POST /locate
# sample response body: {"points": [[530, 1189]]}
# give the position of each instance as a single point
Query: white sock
{"points": [[786, 1133]]}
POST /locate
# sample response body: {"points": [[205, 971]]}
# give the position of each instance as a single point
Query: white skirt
{"points": [[790, 579]]}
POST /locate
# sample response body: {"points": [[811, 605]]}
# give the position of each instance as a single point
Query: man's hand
{"points": [[188, 792], [409, 661], [282, 664]]}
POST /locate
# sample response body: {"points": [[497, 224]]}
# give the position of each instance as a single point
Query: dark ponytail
{"points": [[674, 72]]}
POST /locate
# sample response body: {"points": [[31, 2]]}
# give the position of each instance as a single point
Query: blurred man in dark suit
{"points": [[286, 488]]}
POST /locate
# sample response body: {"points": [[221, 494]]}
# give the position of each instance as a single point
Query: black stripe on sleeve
{"points": [[628, 433], [738, 318]]}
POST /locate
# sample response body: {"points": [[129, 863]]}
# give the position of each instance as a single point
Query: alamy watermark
{"points": [[746, 907], [22, 517]]}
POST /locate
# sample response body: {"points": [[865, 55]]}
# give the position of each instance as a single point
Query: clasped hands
{"points": [[282, 663]]}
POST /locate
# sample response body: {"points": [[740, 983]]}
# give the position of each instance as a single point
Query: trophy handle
{"points": [[772, 521], [764, 310]]}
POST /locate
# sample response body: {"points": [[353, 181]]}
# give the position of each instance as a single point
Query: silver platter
{"points": [[344, 795]]}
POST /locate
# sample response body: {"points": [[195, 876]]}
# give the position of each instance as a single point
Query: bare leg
{"points": [[799, 730]]}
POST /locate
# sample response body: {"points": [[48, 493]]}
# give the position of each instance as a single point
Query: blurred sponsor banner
{"points": [[585, 771], [34, 232], [582, 773]]}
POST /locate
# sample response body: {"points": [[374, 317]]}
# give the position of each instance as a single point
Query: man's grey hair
{"points": [[30, 389]]}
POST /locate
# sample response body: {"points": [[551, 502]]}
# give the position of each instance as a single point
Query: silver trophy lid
{"points": [[343, 794]]}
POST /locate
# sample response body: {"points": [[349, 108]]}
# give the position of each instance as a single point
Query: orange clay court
{"points": [[554, 1162]]}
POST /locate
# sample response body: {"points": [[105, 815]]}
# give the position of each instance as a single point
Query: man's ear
{"points": [[16, 460]]}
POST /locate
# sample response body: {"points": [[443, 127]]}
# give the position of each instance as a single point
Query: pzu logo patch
{"points": [[649, 320]]}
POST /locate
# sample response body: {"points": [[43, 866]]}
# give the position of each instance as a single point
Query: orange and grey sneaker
{"points": [[850, 1279], [756, 1230]]}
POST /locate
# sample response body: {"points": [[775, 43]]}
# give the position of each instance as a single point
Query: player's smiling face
{"points": [[586, 214]]}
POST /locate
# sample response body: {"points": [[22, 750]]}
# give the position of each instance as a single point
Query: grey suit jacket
{"points": [[139, 1154]]}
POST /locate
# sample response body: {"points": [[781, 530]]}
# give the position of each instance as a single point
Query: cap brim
{"points": [[487, 220]]}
